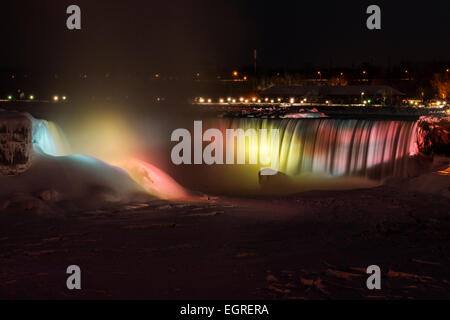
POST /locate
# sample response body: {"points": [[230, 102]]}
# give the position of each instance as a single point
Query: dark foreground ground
{"points": [[313, 246]]}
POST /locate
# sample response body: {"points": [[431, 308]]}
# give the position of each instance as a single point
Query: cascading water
{"points": [[49, 138], [313, 154], [339, 147]]}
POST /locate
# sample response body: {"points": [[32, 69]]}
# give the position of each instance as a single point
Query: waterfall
{"points": [[339, 147], [49, 138]]}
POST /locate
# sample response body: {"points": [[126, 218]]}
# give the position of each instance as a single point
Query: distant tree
{"points": [[286, 79], [337, 81], [441, 83]]}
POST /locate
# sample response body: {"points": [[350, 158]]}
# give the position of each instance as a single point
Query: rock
{"points": [[49, 195], [271, 278]]}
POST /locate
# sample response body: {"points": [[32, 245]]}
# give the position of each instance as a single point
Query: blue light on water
{"points": [[44, 140]]}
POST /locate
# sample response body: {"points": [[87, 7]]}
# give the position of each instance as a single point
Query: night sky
{"points": [[176, 35]]}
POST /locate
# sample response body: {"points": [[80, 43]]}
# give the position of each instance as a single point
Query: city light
{"points": [[292, 100], [64, 98], [10, 97], [221, 100], [55, 98], [235, 73], [31, 97], [201, 100]]}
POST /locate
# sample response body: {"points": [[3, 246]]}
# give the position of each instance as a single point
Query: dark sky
{"points": [[164, 35]]}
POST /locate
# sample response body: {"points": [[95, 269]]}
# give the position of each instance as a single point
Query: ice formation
{"points": [[15, 143]]}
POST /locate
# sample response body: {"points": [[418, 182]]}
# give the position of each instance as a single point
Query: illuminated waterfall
{"points": [[338, 147], [49, 138]]}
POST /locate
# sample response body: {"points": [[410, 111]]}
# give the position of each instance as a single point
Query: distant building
{"points": [[352, 94]]}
